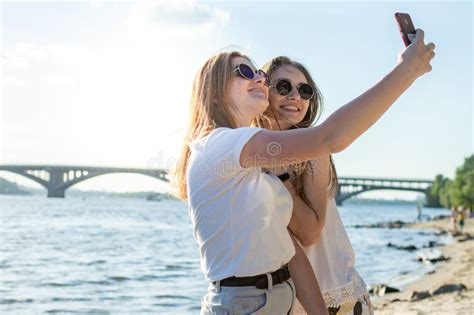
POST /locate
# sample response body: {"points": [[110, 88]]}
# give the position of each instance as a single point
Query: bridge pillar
{"points": [[339, 196], [56, 193], [55, 183]]}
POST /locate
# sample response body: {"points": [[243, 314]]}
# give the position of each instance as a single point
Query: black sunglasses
{"points": [[284, 87], [246, 72]]}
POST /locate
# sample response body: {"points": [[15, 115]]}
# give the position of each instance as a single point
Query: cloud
{"points": [[132, 83], [59, 81], [24, 55], [8, 82], [184, 17]]}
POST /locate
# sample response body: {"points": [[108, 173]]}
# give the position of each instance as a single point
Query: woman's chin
{"points": [[291, 120]]}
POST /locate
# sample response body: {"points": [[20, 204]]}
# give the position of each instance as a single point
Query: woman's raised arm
{"points": [[280, 148]]}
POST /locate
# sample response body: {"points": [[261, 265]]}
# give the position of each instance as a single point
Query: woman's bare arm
{"points": [[276, 148], [307, 221], [315, 185], [307, 287]]}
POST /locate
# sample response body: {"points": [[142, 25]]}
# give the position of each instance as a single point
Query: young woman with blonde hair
{"points": [[239, 213]]}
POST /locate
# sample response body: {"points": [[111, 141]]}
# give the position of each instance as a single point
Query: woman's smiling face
{"points": [[250, 97], [290, 109]]}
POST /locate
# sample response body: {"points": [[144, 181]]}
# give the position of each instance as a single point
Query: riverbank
{"points": [[458, 270]]}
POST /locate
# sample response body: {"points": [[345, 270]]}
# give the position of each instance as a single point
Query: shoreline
{"points": [[459, 269]]}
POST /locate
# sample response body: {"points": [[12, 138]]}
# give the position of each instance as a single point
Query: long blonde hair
{"points": [[312, 115], [210, 108]]}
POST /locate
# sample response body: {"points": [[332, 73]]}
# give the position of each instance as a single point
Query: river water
{"points": [[132, 256]]}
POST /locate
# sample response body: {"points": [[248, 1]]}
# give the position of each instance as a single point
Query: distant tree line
{"points": [[10, 188], [458, 192]]}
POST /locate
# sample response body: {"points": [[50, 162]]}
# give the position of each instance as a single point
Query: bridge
{"points": [[56, 179], [352, 186]]}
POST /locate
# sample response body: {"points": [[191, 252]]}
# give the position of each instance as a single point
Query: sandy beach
{"points": [[459, 269]]}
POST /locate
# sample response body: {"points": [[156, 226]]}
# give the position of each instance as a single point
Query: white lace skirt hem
{"points": [[351, 298]]}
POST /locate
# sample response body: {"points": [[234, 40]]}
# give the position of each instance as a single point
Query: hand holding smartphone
{"points": [[405, 25], [418, 56]]}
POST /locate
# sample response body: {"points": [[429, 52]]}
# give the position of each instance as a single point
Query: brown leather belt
{"points": [[259, 281]]}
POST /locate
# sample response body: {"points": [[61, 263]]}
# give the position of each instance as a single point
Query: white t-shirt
{"points": [[239, 215]]}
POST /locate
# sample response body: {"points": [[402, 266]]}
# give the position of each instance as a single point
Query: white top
{"points": [[332, 258], [239, 215]]}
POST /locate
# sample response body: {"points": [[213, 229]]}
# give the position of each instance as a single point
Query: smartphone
{"points": [[405, 25]]}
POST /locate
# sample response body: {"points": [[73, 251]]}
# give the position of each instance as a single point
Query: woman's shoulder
{"points": [[223, 144], [235, 131], [227, 136]]}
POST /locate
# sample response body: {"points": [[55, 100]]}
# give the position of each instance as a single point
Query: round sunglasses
{"points": [[284, 88], [246, 72]]}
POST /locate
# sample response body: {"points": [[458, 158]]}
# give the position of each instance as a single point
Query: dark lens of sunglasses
{"points": [[306, 91], [246, 71], [283, 87]]}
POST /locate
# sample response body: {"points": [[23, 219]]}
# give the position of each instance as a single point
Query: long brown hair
{"points": [[312, 115], [209, 109]]}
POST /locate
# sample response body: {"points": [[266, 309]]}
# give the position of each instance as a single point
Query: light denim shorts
{"points": [[277, 299]]}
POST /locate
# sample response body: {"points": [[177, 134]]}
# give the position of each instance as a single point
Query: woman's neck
{"points": [[278, 125], [242, 121]]}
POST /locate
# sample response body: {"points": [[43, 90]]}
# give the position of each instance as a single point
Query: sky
{"points": [[107, 83]]}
